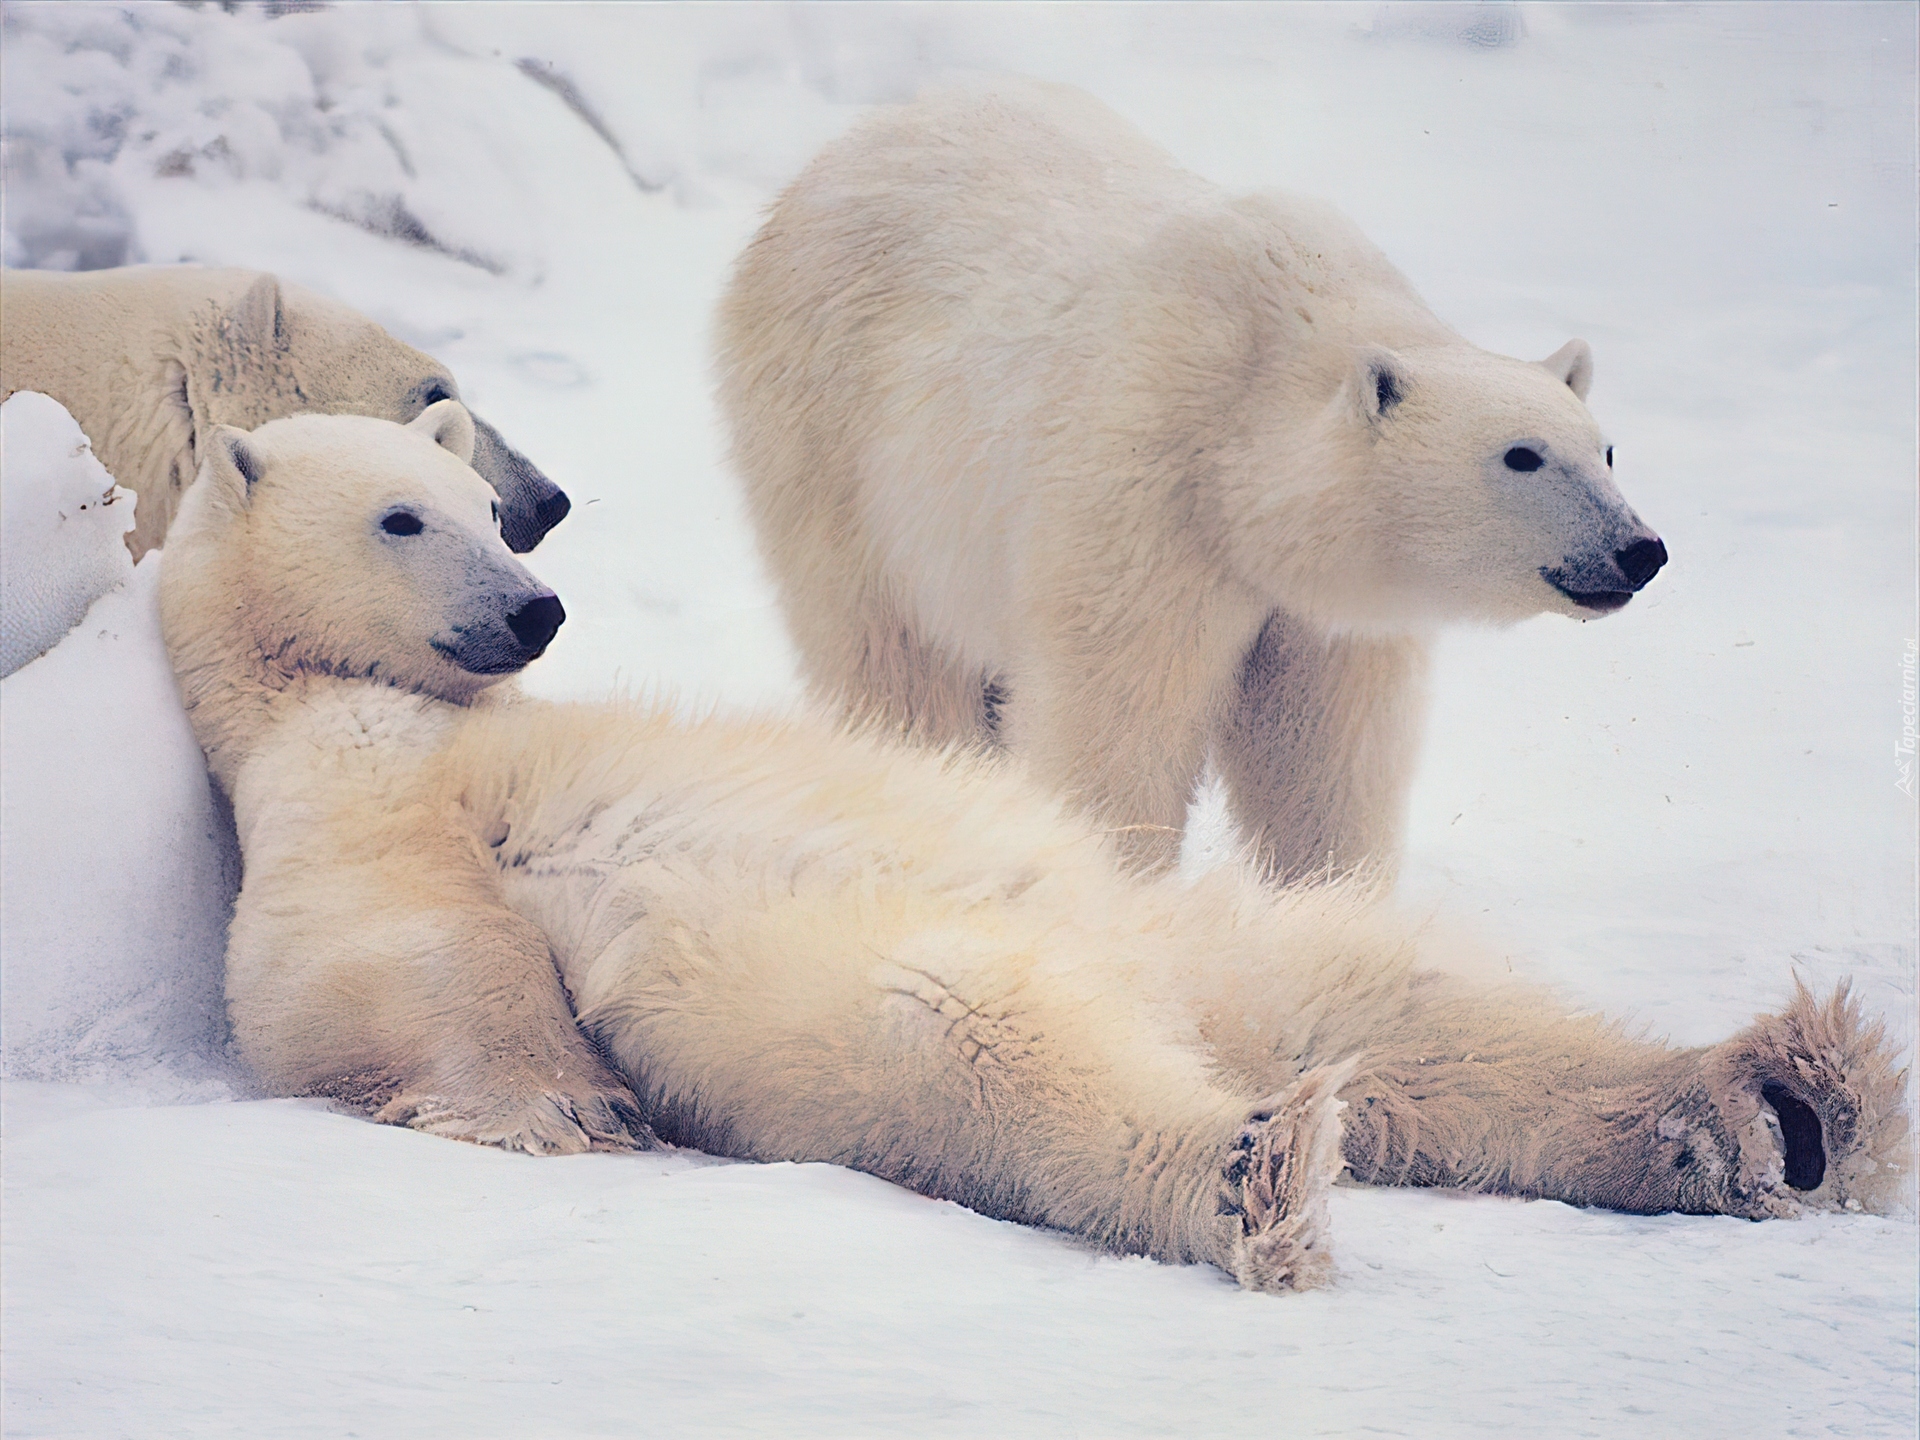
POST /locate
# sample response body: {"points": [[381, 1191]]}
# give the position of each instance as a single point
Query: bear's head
{"points": [[348, 546], [338, 362], [1472, 486]]}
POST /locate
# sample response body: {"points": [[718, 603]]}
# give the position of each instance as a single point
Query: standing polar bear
{"points": [[1049, 439], [148, 359], [787, 941]]}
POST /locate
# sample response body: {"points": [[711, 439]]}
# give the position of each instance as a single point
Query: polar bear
{"points": [[478, 915], [149, 358], [1050, 441]]}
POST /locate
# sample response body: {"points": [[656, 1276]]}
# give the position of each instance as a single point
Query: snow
{"points": [[1666, 813], [61, 547], [428, 1288], [117, 861]]}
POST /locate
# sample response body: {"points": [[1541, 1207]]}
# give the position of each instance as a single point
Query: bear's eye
{"points": [[402, 522], [1521, 458], [496, 509], [1609, 457], [435, 392]]}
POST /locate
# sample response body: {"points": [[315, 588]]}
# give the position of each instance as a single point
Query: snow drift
{"points": [[60, 544]]}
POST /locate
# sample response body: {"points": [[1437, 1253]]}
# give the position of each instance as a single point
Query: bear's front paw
{"points": [[1814, 1097], [549, 1121], [1276, 1181]]}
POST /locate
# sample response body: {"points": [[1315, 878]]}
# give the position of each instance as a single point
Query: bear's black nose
{"points": [[552, 510], [535, 622], [1641, 561]]}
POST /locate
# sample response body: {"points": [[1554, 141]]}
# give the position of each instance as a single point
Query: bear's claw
{"points": [[1815, 1097], [551, 1123], [1274, 1186]]}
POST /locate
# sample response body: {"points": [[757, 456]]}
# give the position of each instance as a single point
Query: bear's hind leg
{"points": [[1026, 1091], [1498, 1088], [1814, 1096], [1804, 1108]]}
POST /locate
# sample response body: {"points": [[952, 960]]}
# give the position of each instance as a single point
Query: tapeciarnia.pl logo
{"points": [[1903, 748]]}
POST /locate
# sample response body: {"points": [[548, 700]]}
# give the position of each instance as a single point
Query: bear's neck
{"points": [[233, 693], [238, 712], [236, 691]]}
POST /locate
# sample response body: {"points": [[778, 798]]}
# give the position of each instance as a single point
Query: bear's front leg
{"points": [[505, 1063], [1120, 694], [1317, 748], [376, 964]]}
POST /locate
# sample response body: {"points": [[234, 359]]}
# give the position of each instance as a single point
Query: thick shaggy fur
{"points": [[1050, 441], [148, 359], [795, 941]]}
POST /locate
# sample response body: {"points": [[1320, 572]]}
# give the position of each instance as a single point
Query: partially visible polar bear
{"points": [[1049, 439], [794, 942], [149, 358]]}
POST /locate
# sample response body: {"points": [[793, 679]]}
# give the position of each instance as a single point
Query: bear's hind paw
{"points": [[1816, 1098], [1276, 1183]]}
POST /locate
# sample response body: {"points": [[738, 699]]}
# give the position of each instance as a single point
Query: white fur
{"points": [[149, 358], [1020, 403], [799, 942]]}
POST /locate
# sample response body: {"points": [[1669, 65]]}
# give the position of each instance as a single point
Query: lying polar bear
{"points": [[791, 942], [150, 357]]}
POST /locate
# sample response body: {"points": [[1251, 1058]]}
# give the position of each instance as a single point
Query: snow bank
{"points": [[117, 864], [61, 519]]}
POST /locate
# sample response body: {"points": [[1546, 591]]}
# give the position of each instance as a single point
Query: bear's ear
{"points": [[233, 465], [448, 425], [258, 319], [1572, 365], [1379, 381]]}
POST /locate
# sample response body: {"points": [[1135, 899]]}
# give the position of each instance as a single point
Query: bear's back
{"points": [[972, 198]]}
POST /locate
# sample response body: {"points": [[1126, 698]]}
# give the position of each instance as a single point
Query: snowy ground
{"points": [[1666, 813]]}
